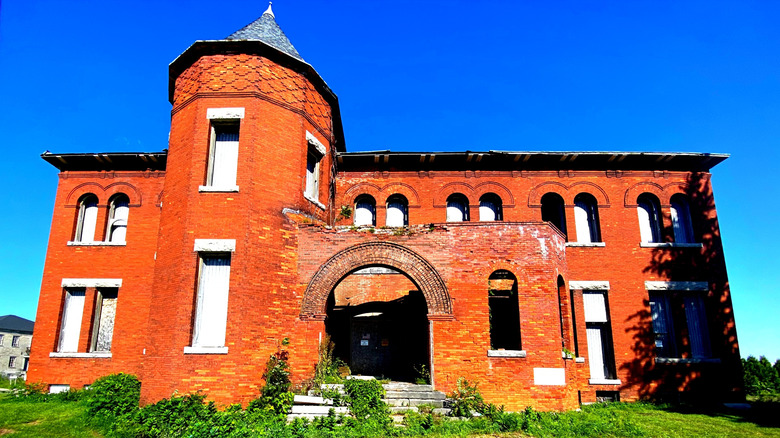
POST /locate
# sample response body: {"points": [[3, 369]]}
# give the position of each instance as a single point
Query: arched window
{"points": [[504, 311], [586, 218], [365, 210], [490, 208], [649, 211], [553, 212], [119, 210], [87, 219], [457, 208], [681, 220], [397, 211]]}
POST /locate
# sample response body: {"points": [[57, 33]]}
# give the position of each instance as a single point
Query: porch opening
{"points": [[377, 320]]}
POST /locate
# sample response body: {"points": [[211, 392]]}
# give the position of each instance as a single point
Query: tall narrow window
{"points": [[87, 219], [649, 212], [457, 208], [72, 312], [312, 175], [504, 312], [553, 211], [212, 301], [490, 208], [680, 325], [599, 334], [681, 220], [119, 211], [223, 156], [103, 320], [365, 211], [15, 341], [586, 218], [12, 362], [397, 211]]}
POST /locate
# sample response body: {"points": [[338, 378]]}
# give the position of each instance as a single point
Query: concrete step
{"points": [[317, 410], [410, 402], [311, 400], [425, 395], [402, 409], [404, 386]]}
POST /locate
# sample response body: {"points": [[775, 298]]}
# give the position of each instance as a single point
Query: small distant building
{"points": [[15, 339]]}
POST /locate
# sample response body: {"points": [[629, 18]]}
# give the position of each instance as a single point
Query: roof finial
{"points": [[269, 11]]}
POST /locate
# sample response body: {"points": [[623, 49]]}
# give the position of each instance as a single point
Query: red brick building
{"points": [[550, 278]]}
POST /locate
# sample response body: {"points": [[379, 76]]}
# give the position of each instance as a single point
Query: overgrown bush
{"points": [[466, 399], [115, 394], [275, 396], [328, 369], [364, 398]]}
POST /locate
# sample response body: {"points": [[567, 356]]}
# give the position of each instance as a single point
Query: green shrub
{"points": [[761, 378], [328, 369], [364, 398], [275, 396], [466, 399], [115, 394]]}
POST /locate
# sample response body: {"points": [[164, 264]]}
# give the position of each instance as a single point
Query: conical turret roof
{"points": [[266, 30]]}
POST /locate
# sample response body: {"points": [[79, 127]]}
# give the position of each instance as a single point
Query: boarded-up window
{"points": [[87, 219], [397, 211], [599, 335], [119, 211], [649, 212], [681, 220], [679, 322], [223, 156], [72, 313], [586, 218], [212, 301], [457, 208], [313, 158], [365, 211], [553, 211], [490, 207], [104, 317]]}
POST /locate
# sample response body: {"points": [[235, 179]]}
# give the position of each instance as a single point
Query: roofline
{"points": [[107, 160], [202, 48]]}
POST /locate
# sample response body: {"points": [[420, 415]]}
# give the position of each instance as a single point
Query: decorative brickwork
{"points": [[419, 270]]}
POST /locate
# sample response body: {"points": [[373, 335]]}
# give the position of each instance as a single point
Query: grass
{"points": [[57, 418], [26, 418]]}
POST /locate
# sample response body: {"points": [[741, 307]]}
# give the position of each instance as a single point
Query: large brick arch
{"points": [[392, 255]]}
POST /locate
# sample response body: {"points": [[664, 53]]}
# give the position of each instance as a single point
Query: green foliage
{"points": [[423, 375], [364, 398], [466, 399], [761, 378], [345, 212], [275, 396], [329, 369], [115, 394]]}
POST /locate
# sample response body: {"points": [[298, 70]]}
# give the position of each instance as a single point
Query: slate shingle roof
{"points": [[266, 30], [13, 323]]}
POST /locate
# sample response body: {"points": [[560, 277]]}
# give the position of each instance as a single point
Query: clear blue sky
{"points": [[89, 76]]}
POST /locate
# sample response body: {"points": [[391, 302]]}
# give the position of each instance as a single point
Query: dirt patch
{"points": [[6, 431]]}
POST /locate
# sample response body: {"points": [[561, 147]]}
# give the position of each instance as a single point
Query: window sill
{"points": [[226, 189], [314, 201], [680, 360], [669, 245], [587, 244], [604, 382], [205, 350], [506, 353], [93, 355], [579, 360], [72, 243]]}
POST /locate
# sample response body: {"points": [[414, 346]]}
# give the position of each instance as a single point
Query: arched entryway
{"points": [[376, 299]]}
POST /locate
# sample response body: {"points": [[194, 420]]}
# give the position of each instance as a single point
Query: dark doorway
{"points": [[377, 320]]}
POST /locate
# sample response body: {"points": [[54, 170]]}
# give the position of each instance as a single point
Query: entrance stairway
{"points": [[402, 396]]}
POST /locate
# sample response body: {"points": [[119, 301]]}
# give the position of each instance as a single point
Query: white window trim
{"points": [[588, 285], [215, 245], [316, 144], [507, 353], [670, 245], [604, 382], [218, 189], [205, 350], [91, 282], [587, 244], [96, 243], [225, 113], [699, 286], [92, 355], [314, 201]]}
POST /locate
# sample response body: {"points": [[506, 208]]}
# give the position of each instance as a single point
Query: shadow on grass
{"points": [[761, 413]]}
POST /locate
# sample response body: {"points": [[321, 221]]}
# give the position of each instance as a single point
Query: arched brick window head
{"points": [[553, 211], [490, 208], [457, 208], [86, 220]]}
